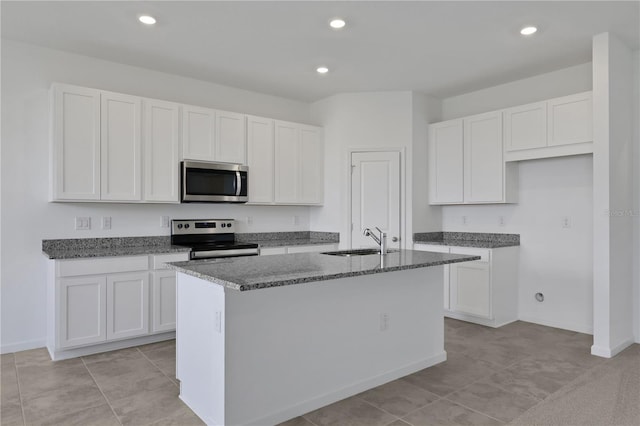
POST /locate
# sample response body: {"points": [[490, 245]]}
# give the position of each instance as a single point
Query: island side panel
{"points": [[200, 353], [293, 349]]}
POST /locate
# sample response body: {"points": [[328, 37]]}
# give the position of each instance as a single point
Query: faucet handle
{"points": [[380, 231]]}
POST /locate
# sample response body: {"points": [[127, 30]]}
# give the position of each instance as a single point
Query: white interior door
{"points": [[375, 196]]}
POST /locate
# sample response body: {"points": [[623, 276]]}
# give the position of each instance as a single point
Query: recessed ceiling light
{"points": [[528, 31], [322, 70], [337, 23], [146, 19]]}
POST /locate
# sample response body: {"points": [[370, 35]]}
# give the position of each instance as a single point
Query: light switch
{"points": [[83, 223], [106, 222]]}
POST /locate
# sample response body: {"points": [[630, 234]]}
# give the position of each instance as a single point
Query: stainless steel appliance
{"points": [[208, 182], [210, 238]]}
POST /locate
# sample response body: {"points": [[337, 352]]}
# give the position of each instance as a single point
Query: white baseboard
{"points": [[356, 388], [579, 328], [606, 352], [57, 355], [23, 346]]}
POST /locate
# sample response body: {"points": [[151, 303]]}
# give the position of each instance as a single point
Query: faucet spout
{"points": [[381, 240]]}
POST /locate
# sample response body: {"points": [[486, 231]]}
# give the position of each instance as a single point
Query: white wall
{"points": [[540, 87], [27, 217], [555, 261], [612, 192], [357, 120], [636, 192]]}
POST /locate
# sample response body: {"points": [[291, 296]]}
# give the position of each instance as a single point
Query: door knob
{"points": [[394, 239]]}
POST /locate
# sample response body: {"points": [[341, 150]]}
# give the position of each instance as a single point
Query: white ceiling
{"points": [[441, 48]]}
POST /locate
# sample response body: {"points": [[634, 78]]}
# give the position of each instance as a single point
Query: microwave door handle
{"points": [[238, 184]]}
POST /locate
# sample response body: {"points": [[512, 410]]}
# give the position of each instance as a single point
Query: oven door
{"points": [[213, 182]]}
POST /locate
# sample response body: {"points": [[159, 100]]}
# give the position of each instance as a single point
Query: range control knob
{"points": [[228, 225], [186, 226], [179, 226], [223, 225]]}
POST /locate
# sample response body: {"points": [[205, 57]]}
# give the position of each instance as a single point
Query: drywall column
{"points": [[612, 196]]}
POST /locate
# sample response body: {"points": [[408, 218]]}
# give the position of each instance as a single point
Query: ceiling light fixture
{"points": [[322, 70], [526, 31], [337, 23], [146, 19]]}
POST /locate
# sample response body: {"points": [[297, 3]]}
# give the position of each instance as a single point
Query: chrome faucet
{"points": [[381, 240]]}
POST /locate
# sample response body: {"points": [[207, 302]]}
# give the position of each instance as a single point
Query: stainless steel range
{"points": [[210, 238]]}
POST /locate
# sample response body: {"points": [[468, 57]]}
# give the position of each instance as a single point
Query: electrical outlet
{"points": [[106, 222], [500, 220], [384, 321], [464, 221], [566, 222], [83, 223], [164, 221]]}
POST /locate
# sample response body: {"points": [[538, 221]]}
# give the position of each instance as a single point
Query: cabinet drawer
{"points": [[101, 265], [158, 261], [485, 254]]}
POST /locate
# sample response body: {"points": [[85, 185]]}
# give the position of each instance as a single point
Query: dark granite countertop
{"points": [[283, 239], [79, 248], [467, 239], [252, 273]]}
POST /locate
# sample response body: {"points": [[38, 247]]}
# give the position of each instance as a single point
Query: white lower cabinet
{"points": [[483, 291], [163, 296], [81, 316], [95, 303], [127, 305]]}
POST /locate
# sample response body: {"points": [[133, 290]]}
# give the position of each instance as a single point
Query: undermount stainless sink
{"points": [[357, 252]]}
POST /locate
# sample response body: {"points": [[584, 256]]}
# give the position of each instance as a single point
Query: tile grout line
{"points": [[477, 411], [15, 366], [418, 409], [160, 369], [379, 408], [100, 389]]}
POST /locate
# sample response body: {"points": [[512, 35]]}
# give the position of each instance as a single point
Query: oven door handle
{"points": [[223, 253], [238, 184]]}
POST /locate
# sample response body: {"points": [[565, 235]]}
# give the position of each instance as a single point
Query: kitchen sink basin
{"points": [[357, 252]]}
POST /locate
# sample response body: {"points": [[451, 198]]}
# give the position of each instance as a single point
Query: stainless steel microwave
{"points": [[208, 182]]}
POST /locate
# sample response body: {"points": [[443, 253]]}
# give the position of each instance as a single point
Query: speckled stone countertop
{"points": [[283, 239], [78, 248], [467, 239], [257, 272]]}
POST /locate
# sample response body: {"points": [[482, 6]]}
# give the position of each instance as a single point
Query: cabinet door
{"points": [[525, 127], [287, 167], [163, 301], [470, 288], [127, 305], [81, 312], [570, 119], [483, 164], [446, 162], [120, 147], [161, 151], [75, 143], [198, 133], [311, 166], [260, 159], [231, 137]]}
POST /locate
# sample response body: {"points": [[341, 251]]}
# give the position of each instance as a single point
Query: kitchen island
{"points": [[264, 339]]}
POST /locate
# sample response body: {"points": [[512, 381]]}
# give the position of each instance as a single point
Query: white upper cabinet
{"points": [[466, 162], [299, 165], [446, 162], [231, 138], [311, 165], [198, 133], [553, 128], [210, 135], [120, 147], [260, 157], [161, 151], [483, 177], [525, 127], [75, 149], [570, 119]]}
